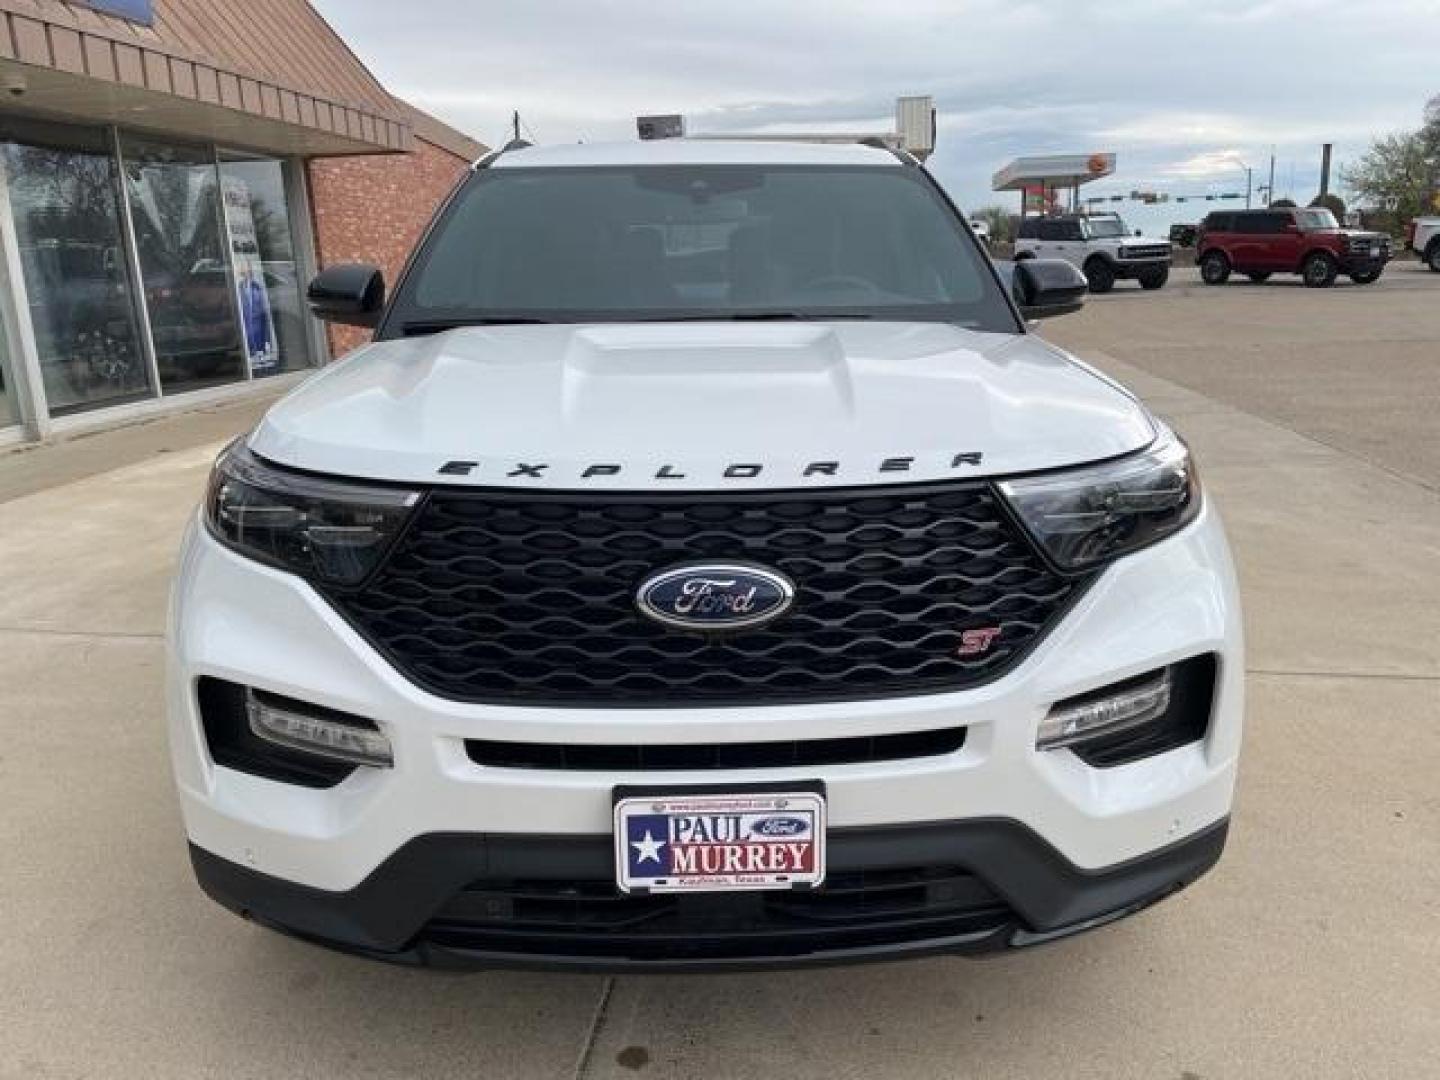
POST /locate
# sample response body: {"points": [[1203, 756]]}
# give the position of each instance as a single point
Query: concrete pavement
{"points": [[1356, 366], [1312, 950]]}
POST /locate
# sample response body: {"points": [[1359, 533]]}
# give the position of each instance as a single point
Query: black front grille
{"points": [[589, 918], [500, 596], [691, 756], [1150, 251]]}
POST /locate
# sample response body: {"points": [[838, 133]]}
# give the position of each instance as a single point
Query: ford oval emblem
{"points": [[780, 826], [715, 596]]}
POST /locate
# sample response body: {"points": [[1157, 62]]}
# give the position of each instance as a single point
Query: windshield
{"points": [[1105, 227], [691, 242], [1315, 220]]}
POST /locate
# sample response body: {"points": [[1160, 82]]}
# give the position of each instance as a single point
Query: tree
{"points": [[1401, 173]]}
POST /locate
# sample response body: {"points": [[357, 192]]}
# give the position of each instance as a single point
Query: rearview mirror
{"points": [[348, 293], [1045, 288]]}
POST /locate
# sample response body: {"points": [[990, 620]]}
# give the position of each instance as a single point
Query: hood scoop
{"points": [[753, 372]]}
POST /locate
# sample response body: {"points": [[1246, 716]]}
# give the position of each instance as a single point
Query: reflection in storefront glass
{"points": [[179, 234], [63, 198], [8, 414], [7, 411], [257, 217]]}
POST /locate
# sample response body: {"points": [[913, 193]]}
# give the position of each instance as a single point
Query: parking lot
{"points": [[1313, 950]]}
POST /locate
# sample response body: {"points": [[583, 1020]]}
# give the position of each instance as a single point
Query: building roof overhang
{"points": [[95, 74]]}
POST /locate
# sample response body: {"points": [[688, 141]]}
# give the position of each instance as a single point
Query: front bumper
{"points": [[257, 839], [1363, 264], [1021, 892], [1129, 269]]}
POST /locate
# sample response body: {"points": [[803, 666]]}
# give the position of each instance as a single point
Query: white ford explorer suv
{"points": [[1100, 245], [704, 567]]}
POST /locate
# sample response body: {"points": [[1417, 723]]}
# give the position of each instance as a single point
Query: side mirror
{"points": [[1045, 288], [348, 293]]}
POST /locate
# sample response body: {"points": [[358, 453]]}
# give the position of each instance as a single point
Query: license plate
{"points": [[719, 842]]}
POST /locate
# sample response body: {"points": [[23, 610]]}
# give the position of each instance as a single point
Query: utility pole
{"points": [[1325, 151], [1249, 177], [515, 123], [1270, 187]]}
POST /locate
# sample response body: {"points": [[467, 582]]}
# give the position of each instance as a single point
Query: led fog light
{"points": [[318, 733], [1117, 709]]}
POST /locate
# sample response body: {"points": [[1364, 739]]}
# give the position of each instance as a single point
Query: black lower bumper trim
{"points": [[1026, 893], [1133, 268], [1362, 264]]}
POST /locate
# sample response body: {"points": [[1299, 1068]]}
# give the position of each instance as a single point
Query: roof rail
{"points": [[878, 142], [513, 144]]}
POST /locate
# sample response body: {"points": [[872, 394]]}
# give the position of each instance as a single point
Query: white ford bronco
{"points": [[706, 566], [1424, 240], [1100, 245]]}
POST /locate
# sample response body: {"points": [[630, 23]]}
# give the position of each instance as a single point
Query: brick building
{"points": [[373, 209], [172, 172]]}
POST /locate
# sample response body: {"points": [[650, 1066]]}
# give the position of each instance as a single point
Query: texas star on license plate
{"points": [[720, 843]]}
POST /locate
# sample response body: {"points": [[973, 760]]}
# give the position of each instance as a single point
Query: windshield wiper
{"points": [[755, 316], [416, 327]]}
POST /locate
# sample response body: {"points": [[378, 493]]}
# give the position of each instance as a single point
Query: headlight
{"points": [[325, 530], [1087, 515]]}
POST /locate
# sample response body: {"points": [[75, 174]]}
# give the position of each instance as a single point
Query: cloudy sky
{"points": [[1183, 90]]}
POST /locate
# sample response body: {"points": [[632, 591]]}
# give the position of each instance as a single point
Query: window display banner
{"points": [[261, 346]]}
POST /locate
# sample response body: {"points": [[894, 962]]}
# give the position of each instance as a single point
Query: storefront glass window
{"points": [[174, 194], [257, 218], [66, 214], [8, 413]]}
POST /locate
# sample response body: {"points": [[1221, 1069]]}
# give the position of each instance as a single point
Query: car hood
{"points": [[701, 406]]}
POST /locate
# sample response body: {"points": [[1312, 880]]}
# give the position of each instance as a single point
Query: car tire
{"points": [[1432, 256], [1155, 277], [1366, 277], [1101, 275], [1214, 268], [1259, 277], [1319, 270]]}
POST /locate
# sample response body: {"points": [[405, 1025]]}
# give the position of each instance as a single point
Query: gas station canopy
{"points": [[1053, 171]]}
